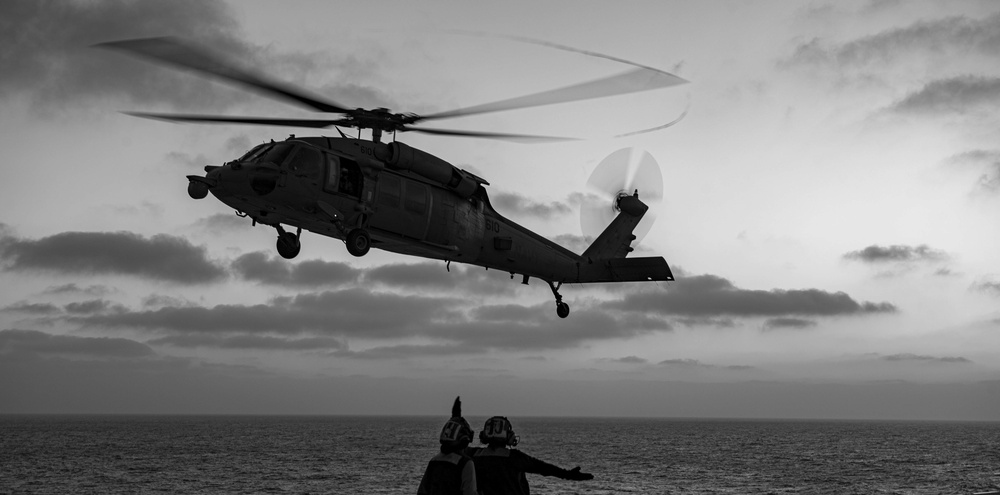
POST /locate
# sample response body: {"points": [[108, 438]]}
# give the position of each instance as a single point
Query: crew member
{"points": [[451, 472], [500, 470]]}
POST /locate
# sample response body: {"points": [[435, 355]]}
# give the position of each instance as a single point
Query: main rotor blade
{"points": [[630, 81], [171, 117], [651, 129], [177, 53], [517, 138]]}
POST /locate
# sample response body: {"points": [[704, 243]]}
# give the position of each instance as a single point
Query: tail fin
{"points": [[605, 258], [616, 240]]}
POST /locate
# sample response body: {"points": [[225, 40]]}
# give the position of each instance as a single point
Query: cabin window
{"points": [[304, 161], [416, 197], [343, 176], [332, 174], [388, 190], [350, 178]]}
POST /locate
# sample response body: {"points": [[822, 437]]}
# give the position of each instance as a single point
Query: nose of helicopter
{"points": [[214, 180], [199, 186]]}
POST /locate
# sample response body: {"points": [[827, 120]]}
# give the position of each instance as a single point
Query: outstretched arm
{"points": [[529, 464]]}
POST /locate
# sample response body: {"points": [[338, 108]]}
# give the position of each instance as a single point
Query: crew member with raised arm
{"points": [[451, 472]]}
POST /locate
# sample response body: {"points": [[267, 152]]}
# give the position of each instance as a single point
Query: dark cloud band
{"points": [[161, 257]]}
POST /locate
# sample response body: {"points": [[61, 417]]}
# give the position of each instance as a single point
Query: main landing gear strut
{"points": [[358, 242], [288, 243], [562, 309]]}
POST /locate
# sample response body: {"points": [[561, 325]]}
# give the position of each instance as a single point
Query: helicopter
{"points": [[393, 196]]}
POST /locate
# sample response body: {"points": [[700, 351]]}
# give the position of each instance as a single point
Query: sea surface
{"points": [[340, 454]]}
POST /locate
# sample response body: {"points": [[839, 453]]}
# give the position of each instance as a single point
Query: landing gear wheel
{"points": [[358, 242], [288, 245], [562, 309]]}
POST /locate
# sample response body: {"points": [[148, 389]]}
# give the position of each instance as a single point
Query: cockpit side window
{"points": [[305, 161], [277, 154]]}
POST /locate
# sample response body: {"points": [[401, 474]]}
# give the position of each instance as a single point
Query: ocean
{"points": [[338, 454]]}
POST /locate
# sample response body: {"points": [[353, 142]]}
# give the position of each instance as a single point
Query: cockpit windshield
{"points": [[275, 153], [256, 150]]}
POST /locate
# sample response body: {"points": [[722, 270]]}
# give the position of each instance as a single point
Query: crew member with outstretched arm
{"points": [[500, 470]]}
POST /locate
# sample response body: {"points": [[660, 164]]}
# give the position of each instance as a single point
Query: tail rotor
{"points": [[621, 173]]}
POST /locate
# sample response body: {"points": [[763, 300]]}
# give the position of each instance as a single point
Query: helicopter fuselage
{"points": [[400, 199]]}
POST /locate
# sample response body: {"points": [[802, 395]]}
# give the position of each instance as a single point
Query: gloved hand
{"points": [[575, 475]]}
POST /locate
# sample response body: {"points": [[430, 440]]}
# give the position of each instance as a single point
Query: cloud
{"points": [[628, 360], [514, 204], [47, 55], [935, 39], [435, 275], [713, 296], [161, 300], [91, 290], [45, 47], [349, 312], [258, 267], [925, 359], [33, 308], [40, 343], [92, 306], [251, 342], [222, 222], [703, 321], [404, 351], [791, 323], [190, 161], [446, 323], [161, 257], [955, 95], [542, 330], [686, 365], [575, 243], [425, 275], [986, 286], [897, 254], [681, 362], [986, 160]]}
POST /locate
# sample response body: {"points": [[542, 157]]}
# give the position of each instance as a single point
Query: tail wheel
{"points": [[358, 242], [562, 309]]}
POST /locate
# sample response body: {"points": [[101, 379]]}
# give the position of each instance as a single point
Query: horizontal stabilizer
{"points": [[640, 269], [626, 270]]}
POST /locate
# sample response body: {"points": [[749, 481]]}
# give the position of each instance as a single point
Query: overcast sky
{"points": [[831, 211]]}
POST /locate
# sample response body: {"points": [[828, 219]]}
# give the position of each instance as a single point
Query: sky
{"points": [[830, 211]]}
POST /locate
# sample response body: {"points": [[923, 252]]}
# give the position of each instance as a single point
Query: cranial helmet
{"points": [[499, 430], [457, 429]]}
